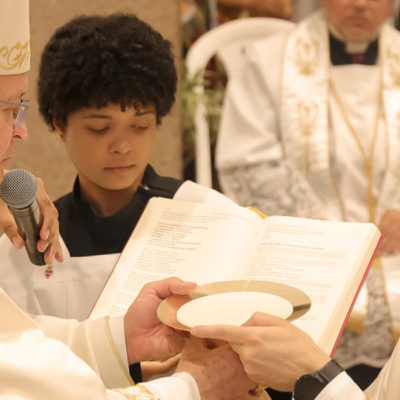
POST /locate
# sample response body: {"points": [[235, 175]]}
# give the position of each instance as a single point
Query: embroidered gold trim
{"points": [[307, 55], [13, 57], [308, 113], [285, 59], [137, 392], [115, 350]]}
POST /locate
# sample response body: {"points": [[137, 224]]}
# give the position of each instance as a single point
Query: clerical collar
{"points": [[339, 55]]}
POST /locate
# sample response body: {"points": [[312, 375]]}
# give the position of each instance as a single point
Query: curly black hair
{"points": [[93, 61]]}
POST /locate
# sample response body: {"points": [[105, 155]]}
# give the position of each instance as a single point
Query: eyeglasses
{"points": [[20, 111]]}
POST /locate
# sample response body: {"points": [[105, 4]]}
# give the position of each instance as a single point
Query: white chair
{"points": [[228, 41]]}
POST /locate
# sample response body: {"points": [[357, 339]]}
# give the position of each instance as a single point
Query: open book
{"points": [[204, 243]]}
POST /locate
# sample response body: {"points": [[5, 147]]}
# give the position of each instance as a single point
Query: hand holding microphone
{"points": [[35, 216]]}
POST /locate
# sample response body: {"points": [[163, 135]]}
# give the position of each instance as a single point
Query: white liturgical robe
{"points": [[45, 358], [36, 364]]}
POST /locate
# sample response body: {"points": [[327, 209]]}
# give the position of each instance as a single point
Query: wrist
{"points": [[307, 387]]}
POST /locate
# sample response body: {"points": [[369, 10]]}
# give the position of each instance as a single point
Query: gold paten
{"points": [[168, 308]]}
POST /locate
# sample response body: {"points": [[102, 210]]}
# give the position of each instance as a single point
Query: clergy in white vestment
{"points": [[311, 127], [46, 358]]}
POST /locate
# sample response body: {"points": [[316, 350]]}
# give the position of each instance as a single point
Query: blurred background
{"points": [[179, 21]]}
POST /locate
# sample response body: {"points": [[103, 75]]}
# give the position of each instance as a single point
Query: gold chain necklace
{"points": [[367, 158]]}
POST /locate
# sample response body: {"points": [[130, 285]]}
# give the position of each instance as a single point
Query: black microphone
{"points": [[18, 190]]}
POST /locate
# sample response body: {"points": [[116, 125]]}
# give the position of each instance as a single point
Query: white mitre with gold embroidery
{"points": [[14, 37]]}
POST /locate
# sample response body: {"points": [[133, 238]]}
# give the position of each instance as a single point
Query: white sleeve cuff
{"points": [[180, 385], [342, 387], [118, 334]]}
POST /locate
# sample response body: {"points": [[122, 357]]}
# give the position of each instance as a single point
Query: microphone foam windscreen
{"points": [[19, 188]]}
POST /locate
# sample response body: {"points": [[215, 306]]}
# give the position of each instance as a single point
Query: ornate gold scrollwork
{"points": [[307, 55], [308, 117], [308, 113], [13, 57]]}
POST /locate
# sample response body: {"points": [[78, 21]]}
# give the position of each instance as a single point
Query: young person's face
{"points": [[358, 20], [12, 88], [110, 148]]}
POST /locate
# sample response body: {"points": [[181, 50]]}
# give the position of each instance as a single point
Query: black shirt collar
{"points": [[339, 56]]}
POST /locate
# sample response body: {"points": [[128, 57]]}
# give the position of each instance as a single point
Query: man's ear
{"points": [[60, 129]]}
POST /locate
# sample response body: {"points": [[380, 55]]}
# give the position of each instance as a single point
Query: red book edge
{"points": [[356, 295]]}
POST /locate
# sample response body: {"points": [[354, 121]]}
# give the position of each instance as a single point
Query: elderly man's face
{"points": [[12, 88], [358, 20]]}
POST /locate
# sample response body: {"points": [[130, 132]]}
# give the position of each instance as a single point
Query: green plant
{"points": [[211, 97]]}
